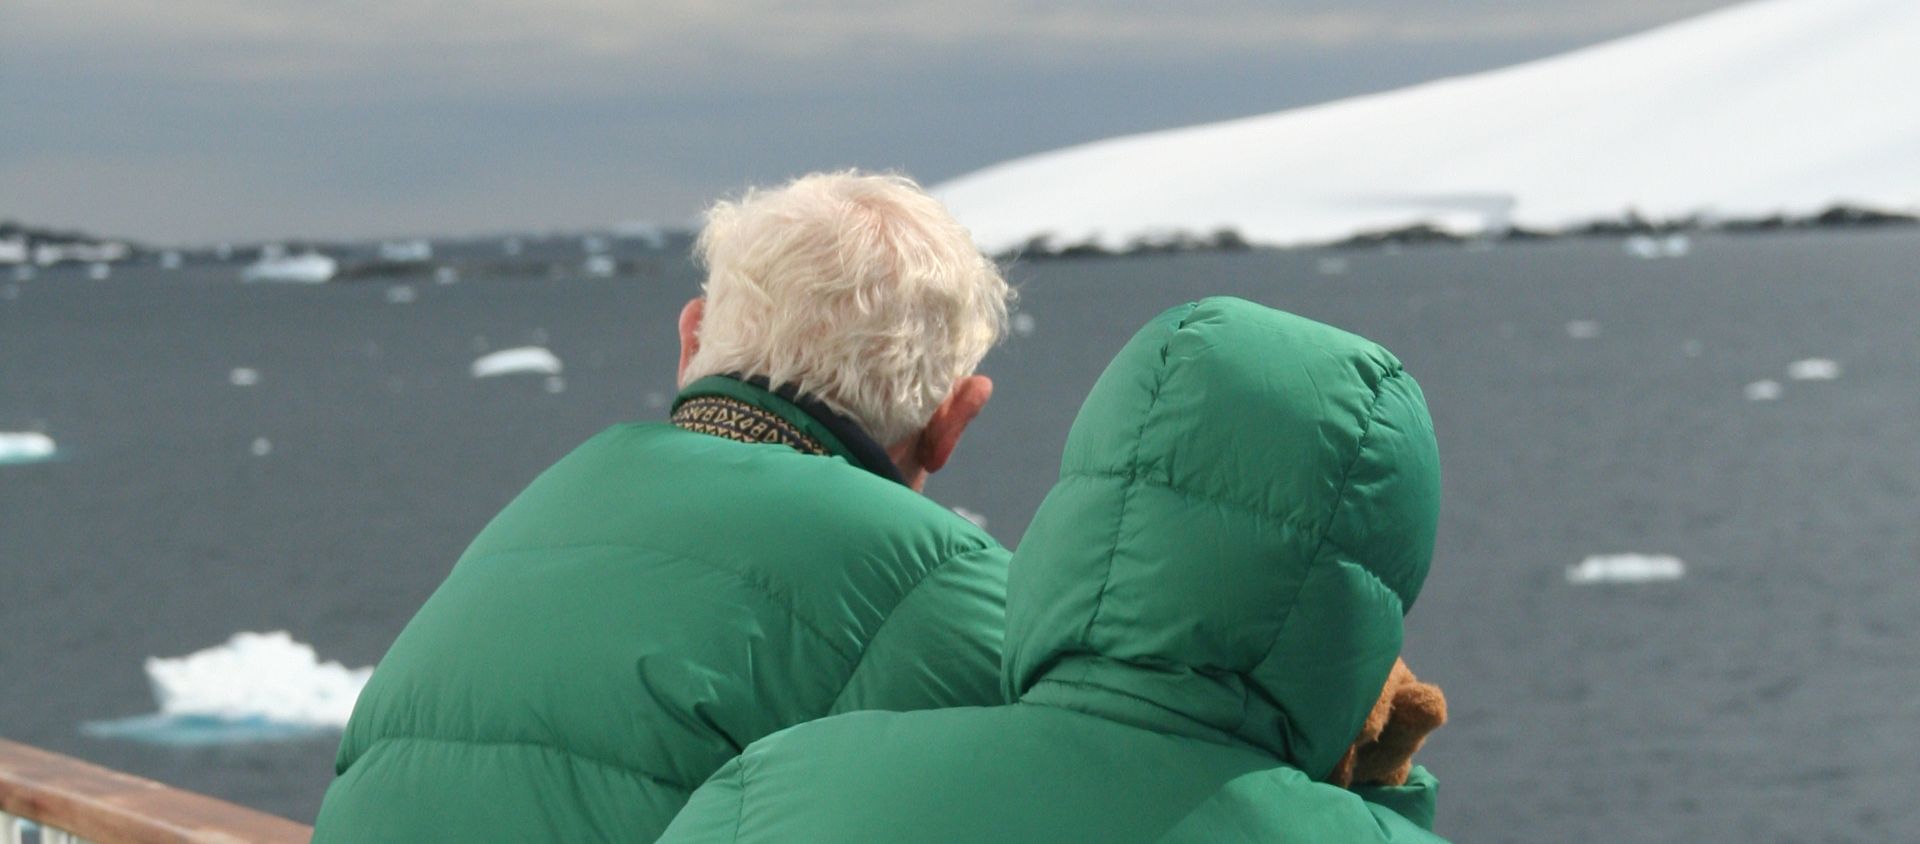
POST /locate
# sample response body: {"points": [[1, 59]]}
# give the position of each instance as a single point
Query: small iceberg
{"points": [[255, 687], [1022, 324], [601, 266], [1762, 390], [406, 251], [305, 268], [1650, 248], [1813, 369], [243, 376], [1583, 329], [1626, 568], [534, 359], [25, 447]]}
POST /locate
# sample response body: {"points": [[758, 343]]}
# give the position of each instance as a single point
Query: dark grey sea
{"points": [[1589, 403]]}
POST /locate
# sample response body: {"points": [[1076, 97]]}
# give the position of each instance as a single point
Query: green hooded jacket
{"points": [[656, 601], [1199, 618]]}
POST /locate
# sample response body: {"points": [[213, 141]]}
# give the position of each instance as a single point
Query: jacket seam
{"points": [[1132, 475], [1326, 532], [753, 582], [740, 807], [894, 611], [1186, 492], [539, 745]]}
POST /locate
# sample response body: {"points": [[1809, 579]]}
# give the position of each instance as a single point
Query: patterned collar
{"points": [[746, 409]]}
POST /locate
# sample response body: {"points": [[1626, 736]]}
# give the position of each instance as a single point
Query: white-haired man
{"points": [[671, 592]]}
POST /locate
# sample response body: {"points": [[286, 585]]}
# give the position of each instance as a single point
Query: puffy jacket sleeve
{"points": [[941, 646], [1413, 802], [714, 812]]}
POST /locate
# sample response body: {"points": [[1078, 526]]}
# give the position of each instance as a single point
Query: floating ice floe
{"points": [[978, 520], [1813, 369], [406, 251], [1763, 390], [446, 275], [99, 272], [25, 447], [261, 447], [1022, 324], [1583, 329], [170, 260], [1331, 266], [601, 266], [274, 265], [242, 376], [1646, 247], [256, 686], [1626, 568], [401, 294], [522, 359]]}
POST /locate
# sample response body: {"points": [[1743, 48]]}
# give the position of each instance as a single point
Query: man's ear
{"points": [[689, 335], [950, 420]]}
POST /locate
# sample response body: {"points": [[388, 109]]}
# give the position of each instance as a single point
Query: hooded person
{"points": [[672, 591], [1200, 619]]}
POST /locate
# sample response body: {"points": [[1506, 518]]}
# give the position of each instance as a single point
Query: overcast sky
{"points": [[204, 120]]}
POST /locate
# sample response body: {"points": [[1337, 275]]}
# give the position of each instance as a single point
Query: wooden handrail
{"points": [[108, 807]]}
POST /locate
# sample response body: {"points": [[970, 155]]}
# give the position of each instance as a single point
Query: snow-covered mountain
{"points": [[1773, 106]]}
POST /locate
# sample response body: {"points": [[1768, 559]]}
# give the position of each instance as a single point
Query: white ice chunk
{"points": [[1676, 246], [1763, 390], [257, 676], [521, 359], [1626, 568], [242, 376], [1022, 324], [25, 446], [978, 520], [261, 447], [99, 272], [1813, 369], [601, 266], [307, 268], [1583, 329], [446, 275]]}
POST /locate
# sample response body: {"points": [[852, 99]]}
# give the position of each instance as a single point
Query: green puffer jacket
{"points": [[1198, 620], [653, 603]]}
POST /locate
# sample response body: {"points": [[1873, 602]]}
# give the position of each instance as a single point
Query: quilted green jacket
{"points": [[1198, 620], [653, 603]]}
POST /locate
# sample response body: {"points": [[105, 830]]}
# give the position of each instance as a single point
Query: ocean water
{"points": [[312, 459]]}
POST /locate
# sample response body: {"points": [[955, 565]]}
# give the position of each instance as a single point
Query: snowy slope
{"points": [[1769, 106]]}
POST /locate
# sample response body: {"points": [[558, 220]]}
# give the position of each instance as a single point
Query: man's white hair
{"points": [[857, 289]]}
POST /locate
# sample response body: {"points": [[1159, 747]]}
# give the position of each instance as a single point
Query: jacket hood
{"points": [[1246, 509]]}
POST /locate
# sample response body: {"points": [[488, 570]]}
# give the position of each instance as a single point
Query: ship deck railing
{"points": [[55, 799]]}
